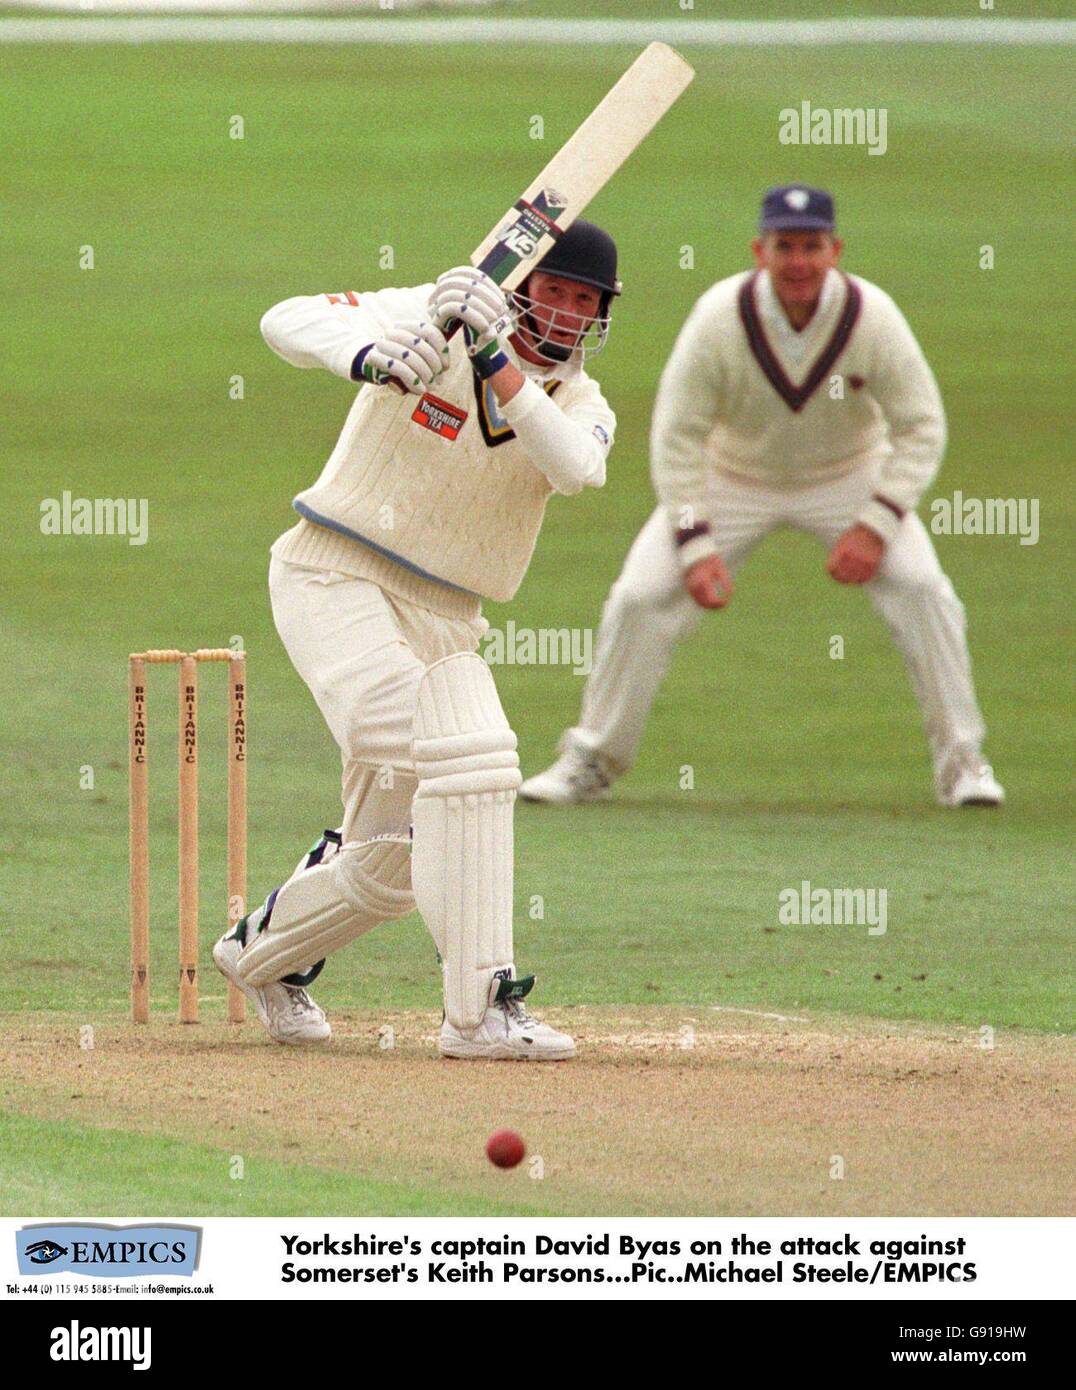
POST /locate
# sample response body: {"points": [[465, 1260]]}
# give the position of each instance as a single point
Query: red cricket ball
{"points": [[505, 1148]]}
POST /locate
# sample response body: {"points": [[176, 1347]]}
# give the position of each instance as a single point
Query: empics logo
{"points": [[110, 1252], [77, 1343], [44, 1252]]}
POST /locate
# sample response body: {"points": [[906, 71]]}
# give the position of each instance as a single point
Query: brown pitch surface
{"points": [[666, 1111]]}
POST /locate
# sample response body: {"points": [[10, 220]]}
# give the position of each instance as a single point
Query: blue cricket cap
{"points": [[794, 207]]}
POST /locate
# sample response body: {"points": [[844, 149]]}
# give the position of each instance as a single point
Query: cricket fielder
{"points": [[797, 396], [432, 499]]}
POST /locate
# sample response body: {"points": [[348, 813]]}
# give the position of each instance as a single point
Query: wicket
{"points": [[188, 821]]}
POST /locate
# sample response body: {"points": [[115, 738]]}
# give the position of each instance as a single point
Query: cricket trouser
{"points": [[397, 683], [648, 611]]}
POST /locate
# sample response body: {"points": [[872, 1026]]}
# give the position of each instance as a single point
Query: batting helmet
{"points": [[587, 254]]}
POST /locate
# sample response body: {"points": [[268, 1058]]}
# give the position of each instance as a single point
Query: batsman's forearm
{"points": [[565, 450], [507, 383], [306, 331]]}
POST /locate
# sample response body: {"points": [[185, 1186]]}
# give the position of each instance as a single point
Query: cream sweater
{"points": [[439, 499], [744, 393]]}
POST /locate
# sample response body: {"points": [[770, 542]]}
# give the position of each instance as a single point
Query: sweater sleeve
{"points": [[329, 330], [689, 400], [569, 446], [908, 396]]}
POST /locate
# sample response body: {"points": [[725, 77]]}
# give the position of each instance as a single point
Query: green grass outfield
{"points": [[670, 10], [785, 9], [117, 384], [53, 1166]]}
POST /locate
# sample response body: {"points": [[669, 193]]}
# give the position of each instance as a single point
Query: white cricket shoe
{"points": [[288, 1012], [966, 780], [508, 1033], [576, 776]]}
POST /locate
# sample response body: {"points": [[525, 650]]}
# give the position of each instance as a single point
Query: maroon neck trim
{"points": [[796, 397]]}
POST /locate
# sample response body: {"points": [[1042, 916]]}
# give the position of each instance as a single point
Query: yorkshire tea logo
{"points": [[440, 416], [108, 1252]]}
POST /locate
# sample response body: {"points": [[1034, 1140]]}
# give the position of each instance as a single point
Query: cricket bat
{"points": [[584, 165]]}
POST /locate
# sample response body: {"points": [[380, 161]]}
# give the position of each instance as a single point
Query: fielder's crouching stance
{"points": [[421, 509], [747, 436]]}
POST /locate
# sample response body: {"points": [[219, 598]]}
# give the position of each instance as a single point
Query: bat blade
{"points": [[584, 164]]}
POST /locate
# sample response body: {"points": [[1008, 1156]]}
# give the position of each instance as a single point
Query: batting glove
{"points": [[414, 354], [468, 296]]}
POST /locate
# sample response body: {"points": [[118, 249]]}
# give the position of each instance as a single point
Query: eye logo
{"points": [[43, 1252]]}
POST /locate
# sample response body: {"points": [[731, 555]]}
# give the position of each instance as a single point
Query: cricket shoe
{"points": [[576, 776], [964, 779], [507, 1033], [288, 1012]]}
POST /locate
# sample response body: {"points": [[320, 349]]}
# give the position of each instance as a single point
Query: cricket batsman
{"points": [[796, 395], [431, 500]]}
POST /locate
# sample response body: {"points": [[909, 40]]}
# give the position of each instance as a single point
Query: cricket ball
{"points": [[505, 1148]]}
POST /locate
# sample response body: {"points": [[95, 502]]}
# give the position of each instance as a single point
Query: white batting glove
{"points": [[472, 298], [412, 353]]}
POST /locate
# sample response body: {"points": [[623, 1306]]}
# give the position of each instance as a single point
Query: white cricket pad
{"points": [[461, 864], [321, 909]]}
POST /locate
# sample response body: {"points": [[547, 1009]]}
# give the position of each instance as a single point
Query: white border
{"points": [[242, 1257]]}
